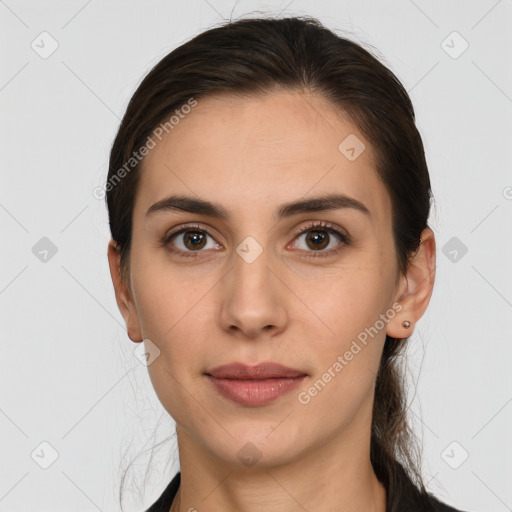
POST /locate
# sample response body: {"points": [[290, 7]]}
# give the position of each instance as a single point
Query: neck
{"points": [[332, 477]]}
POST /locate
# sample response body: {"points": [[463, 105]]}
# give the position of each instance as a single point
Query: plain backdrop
{"points": [[76, 407]]}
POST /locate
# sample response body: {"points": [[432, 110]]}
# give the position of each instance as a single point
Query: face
{"points": [[313, 289]]}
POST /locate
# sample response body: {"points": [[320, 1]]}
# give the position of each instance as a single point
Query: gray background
{"points": [[68, 375]]}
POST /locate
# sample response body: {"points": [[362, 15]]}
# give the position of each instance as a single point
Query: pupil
{"points": [[195, 238], [319, 239]]}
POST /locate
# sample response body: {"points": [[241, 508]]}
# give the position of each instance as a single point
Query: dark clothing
{"points": [[163, 504]]}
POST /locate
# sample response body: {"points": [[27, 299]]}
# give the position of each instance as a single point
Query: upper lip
{"points": [[266, 370]]}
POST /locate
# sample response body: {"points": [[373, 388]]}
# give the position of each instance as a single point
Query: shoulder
{"points": [[164, 502], [407, 497], [410, 499]]}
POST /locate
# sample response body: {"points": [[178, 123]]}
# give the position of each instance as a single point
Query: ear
{"points": [[123, 294], [415, 288]]}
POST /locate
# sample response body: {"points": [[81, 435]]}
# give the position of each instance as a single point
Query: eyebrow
{"points": [[200, 206]]}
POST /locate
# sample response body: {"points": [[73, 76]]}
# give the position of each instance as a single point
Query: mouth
{"points": [[254, 385]]}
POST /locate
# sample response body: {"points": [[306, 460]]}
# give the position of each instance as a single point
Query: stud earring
{"points": [[406, 324]]}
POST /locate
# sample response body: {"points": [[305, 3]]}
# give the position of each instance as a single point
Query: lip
{"points": [[265, 370], [254, 385]]}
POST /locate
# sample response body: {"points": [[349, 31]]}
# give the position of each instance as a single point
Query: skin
{"points": [[251, 155]]}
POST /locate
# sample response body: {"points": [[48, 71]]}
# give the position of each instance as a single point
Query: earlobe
{"points": [[415, 288], [123, 294]]}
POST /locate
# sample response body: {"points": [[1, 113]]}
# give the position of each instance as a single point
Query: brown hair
{"points": [[253, 56]]}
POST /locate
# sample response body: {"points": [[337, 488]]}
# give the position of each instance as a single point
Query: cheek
{"points": [[347, 299], [348, 346], [173, 316], [347, 304], [166, 296], [175, 312]]}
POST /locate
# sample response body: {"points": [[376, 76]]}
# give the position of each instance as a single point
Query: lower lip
{"points": [[255, 392]]}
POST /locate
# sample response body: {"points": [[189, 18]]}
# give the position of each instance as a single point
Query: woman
{"points": [[268, 201]]}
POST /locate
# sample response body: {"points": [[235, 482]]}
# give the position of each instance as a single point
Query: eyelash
{"points": [[318, 226]]}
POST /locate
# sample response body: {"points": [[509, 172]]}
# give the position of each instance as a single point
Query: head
{"points": [[277, 213]]}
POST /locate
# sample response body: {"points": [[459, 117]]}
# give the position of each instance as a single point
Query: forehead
{"points": [[254, 151]]}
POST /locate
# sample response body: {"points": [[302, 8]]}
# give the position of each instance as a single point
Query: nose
{"points": [[254, 298]]}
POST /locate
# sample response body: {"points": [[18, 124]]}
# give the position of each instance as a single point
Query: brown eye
{"points": [[194, 240], [317, 237], [189, 240]]}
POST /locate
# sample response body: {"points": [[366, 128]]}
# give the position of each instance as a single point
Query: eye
{"points": [[317, 236], [189, 239]]}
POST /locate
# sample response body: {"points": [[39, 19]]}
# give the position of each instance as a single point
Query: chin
{"points": [[261, 447]]}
